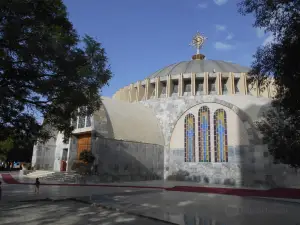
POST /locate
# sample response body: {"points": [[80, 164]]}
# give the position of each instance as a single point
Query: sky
{"points": [[141, 37]]}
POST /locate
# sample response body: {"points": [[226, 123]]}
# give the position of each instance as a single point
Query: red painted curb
{"points": [[272, 193]]}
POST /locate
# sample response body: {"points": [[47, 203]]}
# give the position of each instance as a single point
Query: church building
{"points": [[192, 120]]}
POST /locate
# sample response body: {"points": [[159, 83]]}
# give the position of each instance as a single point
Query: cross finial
{"points": [[198, 41]]}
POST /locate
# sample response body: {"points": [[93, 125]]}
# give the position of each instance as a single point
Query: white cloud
{"points": [[220, 27], [223, 46], [202, 5], [230, 36], [260, 32], [220, 2], [270, 39]]}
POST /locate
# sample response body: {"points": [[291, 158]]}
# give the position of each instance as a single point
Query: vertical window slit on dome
{"points": [[236, 85], [144, 92], [175, 87], [199, 86], [224, 86], [212, 85], [220, 136], [204, 134], [249, 87], [152, 88], [189, 138], [163, 89], [187, 87]]}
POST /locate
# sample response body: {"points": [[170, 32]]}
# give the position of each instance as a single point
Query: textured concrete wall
{"points": [[132, 159], [43, 155]]}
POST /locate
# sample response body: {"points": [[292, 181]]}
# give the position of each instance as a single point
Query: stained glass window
{"points": [[204, 134], [220, 136], [189, 138]]}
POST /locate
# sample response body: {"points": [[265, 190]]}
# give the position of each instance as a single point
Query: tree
{"points": [[280, 60], [43, 71]]}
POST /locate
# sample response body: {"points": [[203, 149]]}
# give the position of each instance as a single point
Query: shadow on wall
{"points": [[248, 165], [127, 161]]}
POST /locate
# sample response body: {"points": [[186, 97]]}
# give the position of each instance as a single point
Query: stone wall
{"points": [[249, 162], [136, 161], [169, 110]]}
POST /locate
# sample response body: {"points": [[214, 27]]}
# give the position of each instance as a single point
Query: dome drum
{"points": [[195, 77]]}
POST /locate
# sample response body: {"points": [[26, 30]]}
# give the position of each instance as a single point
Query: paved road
{"points": [[66, 213], [177, 207]]}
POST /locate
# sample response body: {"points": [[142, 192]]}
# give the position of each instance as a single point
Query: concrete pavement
{"points": [[176, 207], [65, 213]]}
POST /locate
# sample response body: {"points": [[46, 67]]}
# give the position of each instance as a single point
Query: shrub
{"points": [[87, 156]]}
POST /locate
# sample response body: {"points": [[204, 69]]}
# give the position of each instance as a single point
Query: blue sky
{"points": [[141, 37]]}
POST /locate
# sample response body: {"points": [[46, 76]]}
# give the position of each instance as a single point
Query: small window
{"points": [[236, 88], [81, 121], [212, 86], [175, 88], [163, 89], [153, 90], [187, 87], [88, 121], [224, 87], [200, 87]]}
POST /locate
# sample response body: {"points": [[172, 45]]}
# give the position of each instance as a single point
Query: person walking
{"points": [[37, 185]]}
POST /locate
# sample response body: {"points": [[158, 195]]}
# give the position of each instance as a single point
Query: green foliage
{"points": [[43, 72], [5, 146], [87, 156], [280, 60]]}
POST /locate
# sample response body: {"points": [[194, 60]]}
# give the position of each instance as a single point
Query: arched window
{"points": [[204, 134], [189, 138], [220, 136]]}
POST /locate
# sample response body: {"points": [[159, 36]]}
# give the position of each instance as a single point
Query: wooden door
{"points": [[83, 143]]}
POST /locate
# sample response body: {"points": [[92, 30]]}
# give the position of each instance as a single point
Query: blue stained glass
{"points": [[189, 137], [204, 134], [221, 142]]}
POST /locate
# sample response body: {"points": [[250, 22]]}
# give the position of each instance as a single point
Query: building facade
{"points": [[192, 120]]}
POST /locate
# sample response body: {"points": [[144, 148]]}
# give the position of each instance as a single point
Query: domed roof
{"points": [[200, 66]]}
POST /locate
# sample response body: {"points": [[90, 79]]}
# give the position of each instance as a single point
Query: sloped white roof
{"points": [[132, 122]]}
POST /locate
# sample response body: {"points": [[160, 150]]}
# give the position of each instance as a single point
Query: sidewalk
{"points": [[175, 186]]}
